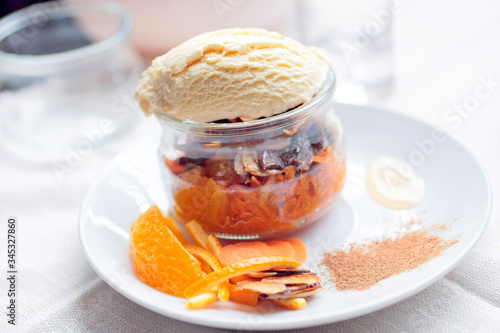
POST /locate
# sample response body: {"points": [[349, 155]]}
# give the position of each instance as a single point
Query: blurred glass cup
{"points": [[66, 77], [359, 38], [161, 25]]}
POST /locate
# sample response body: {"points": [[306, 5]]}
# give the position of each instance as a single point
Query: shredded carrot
{"points": [[272, 205]]}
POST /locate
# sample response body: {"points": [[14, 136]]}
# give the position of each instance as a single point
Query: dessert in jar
{"points": [[251, 147]]}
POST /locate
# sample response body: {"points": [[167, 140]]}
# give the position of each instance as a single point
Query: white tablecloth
{"points": [[442, 52]]}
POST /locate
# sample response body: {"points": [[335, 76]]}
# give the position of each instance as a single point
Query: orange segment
{"points": [[243, 267], [171, 224], [159, 258]]}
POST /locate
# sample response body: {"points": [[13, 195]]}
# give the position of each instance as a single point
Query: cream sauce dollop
{"points": [[393, 183]]}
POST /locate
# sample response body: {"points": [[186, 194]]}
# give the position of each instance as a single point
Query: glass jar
{"points": [[256, 179], [67, 73]]}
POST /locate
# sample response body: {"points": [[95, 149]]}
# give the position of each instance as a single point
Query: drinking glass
{"points": [[66, 77], [358, 37]]}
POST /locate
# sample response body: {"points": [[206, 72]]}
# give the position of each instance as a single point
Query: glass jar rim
{"points": [[278, 121], [21, 19]]}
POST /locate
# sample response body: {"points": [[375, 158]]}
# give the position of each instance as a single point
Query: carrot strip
{"points": [[243, 296], [288, 247]]}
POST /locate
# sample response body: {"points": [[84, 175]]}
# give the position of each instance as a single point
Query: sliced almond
{"points": [[294, 292], [260, 275], [250, 163], [293, 279], [290, 270], [307, 293], [278, 272], [301, 287], [263, 288], [238, 164]]}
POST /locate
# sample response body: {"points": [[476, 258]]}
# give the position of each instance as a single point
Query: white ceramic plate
{"points": [[457, 194]]}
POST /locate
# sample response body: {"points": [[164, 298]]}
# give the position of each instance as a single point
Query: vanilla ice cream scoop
{"points": [[248, 73]]}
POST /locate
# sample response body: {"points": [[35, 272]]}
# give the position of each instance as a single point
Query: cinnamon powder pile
{"points": [[366, 265]]}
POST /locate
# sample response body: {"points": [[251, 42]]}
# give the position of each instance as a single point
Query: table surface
{"points": [[443, 52]]}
